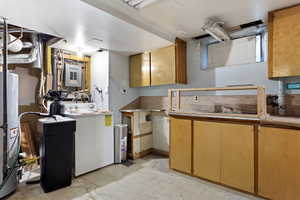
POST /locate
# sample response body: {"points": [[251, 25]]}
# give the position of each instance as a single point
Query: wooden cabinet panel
{"points": [[163, 66], [237, 154], [140, 70], [207, 150], [181, 64], [279, 163], [181, 145], [160, 67], [284, 42]]}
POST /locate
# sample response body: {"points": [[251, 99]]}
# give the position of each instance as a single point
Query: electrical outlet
{"points": [[196, 98]]}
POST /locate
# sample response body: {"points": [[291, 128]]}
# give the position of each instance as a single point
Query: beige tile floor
{"points": [[147, 179]]}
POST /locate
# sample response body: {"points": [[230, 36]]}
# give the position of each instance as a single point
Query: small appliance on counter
{"points": [[56, 152]]}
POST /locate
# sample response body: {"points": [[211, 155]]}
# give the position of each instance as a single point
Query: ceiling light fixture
{"points": [[138, 4]]}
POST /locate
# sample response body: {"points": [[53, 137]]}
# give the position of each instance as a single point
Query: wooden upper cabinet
{"points": [[166, 66], [284, 42], [181, 145], [163, 67], [140, 70], [279, 163]]}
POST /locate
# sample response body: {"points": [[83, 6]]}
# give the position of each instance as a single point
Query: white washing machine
{"points": [[94, 137]]}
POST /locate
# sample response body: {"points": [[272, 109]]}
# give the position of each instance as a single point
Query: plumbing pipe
{"points": [[4, 85]]}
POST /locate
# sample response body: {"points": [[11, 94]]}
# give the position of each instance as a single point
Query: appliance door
{"points": [[94, 147]]}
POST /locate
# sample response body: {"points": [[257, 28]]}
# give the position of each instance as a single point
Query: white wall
{"points": [[100, 79], [255, 74], [225, 53], [119, 81]]}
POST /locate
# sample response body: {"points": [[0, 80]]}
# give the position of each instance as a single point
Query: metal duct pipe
{"points": [[281, 97], [14, 44], [24, 58], [27, 45], [17, 30], [37, 43]]}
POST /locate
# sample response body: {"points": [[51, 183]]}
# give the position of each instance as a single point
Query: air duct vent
{"points": [[216, 30]]}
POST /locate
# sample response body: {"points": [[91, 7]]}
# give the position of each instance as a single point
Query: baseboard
{"points": [[160, 152]]}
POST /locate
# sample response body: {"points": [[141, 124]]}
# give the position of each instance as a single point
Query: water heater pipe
{"points": [[4, 85]]}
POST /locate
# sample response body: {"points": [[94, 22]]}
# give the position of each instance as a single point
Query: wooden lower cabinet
{"points": [[279, 163], [207, 150], [237, 154], [181, 145], [224, 153]]}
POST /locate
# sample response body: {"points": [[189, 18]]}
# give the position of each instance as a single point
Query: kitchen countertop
{"points": [[142, 110], [216, 116], [86, 114], [291, 122]]}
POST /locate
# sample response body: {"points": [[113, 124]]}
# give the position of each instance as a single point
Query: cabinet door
{"points": [[207, 150], [237, 155], [163, 66], [279, 163], [181, 145], [140, 70], [284, 42]]}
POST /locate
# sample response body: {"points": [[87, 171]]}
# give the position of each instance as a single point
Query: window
{"points": [[247, 48]]}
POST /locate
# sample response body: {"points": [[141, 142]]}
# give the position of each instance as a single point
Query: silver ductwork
{"points": [[14, 44], [38, 45], [216, 30], [32, 57]]}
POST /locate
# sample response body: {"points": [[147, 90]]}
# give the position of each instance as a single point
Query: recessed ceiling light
{"points": [[139, 3]]}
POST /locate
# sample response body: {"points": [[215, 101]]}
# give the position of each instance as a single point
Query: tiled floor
{"points": [[147, 179]]}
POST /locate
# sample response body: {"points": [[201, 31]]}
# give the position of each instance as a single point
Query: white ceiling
{"points": [[184, 18], [80, 24], [122, 28]]}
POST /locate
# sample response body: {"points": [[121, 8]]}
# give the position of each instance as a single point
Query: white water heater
{"points": [[9, 155]]}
